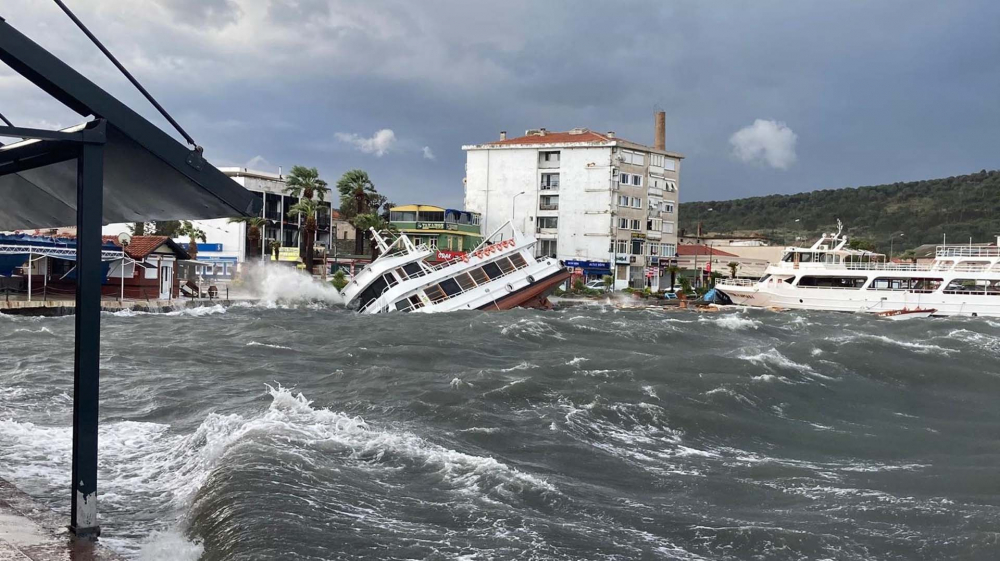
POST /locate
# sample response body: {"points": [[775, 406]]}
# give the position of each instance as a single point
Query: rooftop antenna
{"points": [[128, 75]]}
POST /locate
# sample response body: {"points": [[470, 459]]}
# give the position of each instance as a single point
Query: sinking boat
{"points": [[906, 313], [501, 273]]}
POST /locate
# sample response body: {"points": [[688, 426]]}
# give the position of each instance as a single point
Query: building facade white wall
{"points": [[582, 216]]}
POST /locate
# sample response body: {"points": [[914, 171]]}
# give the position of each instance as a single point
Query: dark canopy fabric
{"points": [[148, 175], [10, 262]]}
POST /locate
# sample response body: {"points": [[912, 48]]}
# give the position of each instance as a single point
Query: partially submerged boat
{"points": [[906, 313], [501, 273]]}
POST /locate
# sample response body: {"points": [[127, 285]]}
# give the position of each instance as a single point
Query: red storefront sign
{"points": [[448, 255]]}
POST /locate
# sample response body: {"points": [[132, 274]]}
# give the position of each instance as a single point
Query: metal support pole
{"points": [[29, 276], [87, 357]]}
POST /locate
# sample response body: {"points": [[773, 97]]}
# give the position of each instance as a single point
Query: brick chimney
{"points": [[503, 135], [660, 135]]}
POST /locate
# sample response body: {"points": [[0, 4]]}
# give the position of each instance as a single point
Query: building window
{"points": [[634, 224], [624, 178], [668, 250], [621, 246], [552, 157], [550, 181], [623, 223], [654, 224], [637, 180], [671, 186], [636, 202], [622, 200], [637, 247], [668, 227], [653, 248], [656, 160], [668, 206], [670, 164], [548, 222], [546, 247], [634, 158]]}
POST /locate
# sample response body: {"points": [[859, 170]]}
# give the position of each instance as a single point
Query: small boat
{"points": [[501, 273], [905, 313]]}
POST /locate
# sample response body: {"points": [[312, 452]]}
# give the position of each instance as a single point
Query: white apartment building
{"points": [[595, 201]]}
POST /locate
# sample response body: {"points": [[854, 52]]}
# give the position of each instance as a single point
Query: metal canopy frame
{"points": [[88, 145]]}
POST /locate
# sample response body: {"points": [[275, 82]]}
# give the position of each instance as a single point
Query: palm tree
{"points": [[356, 193], [733, 265], [194, 234], [306, 209], [673, 270], [254, 225], [304, 182], [376, 221]]}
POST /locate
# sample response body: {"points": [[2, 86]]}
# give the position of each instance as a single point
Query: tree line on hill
{"points": [[900, 215], [360, 204]]}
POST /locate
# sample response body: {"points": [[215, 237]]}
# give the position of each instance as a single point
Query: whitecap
{"points": [[268, 345]]}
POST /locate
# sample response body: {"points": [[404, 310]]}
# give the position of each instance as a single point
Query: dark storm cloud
{"points": [[869, 92]]}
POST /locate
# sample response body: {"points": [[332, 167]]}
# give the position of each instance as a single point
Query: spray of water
{"points": [[276, 283]]}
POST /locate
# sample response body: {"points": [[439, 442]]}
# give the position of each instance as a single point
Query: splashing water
{"points": [[278, 283]]}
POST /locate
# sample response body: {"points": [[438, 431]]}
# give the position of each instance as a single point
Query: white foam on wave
{"points": [[527, 327], [650, 391], [577, 361], [170, 545], [772, 358], [148, 462], [524, 365], [733, 322], [268, 345], [42, 329], [915, 346], [198, 311]]}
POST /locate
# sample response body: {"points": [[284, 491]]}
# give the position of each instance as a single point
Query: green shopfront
{"points": [[451, 232]]}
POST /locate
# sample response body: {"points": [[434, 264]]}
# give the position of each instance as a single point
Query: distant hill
{"points": [[963, 206]]}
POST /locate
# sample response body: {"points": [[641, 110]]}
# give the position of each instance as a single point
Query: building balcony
{"points": [[550, 188], [542, 164], [655, 192], [653, 235], [549, 206], [546, 233]]}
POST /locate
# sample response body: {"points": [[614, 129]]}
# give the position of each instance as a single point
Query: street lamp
{"points": [[891, 236], [513, 200]]}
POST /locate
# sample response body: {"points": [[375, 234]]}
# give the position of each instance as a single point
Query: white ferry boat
{"points": [[963, 280], [501, 273]]}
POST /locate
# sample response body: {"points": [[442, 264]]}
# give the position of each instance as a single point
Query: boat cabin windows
{"points": [[972, 286], [492, 270], [479, 276], [505, 265], [435, 293], [832, 282], [374, 290], [922, 285], [411, 270], [518, 261], [465, 281], [390, 279], [450, 287], [764, 278]]}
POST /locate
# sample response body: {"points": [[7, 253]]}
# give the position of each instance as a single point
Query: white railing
{"points": [[462, 290], [736, 282], [967, 251]]}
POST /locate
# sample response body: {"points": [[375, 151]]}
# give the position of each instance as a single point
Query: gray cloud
{"points": [[875, 92]]}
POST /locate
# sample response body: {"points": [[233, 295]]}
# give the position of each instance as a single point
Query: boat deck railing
{"points": [[967, 251], [736, 282]]}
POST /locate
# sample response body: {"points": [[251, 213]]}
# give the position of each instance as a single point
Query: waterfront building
{"points": [[600, 203], [449, 232], [700, 260]]}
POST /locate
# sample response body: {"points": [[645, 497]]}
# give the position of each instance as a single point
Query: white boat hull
{"points": [[846, 300]]}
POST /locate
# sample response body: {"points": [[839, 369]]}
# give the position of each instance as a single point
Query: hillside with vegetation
{"points": [[922, 211]]}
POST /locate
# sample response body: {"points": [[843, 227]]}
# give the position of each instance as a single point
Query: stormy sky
{"points": [[761, 97]]}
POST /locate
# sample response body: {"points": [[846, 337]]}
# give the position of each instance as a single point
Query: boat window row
{"points": [[463, 282], [832, 282], [811, 257], [914, 284], [973, 286]]}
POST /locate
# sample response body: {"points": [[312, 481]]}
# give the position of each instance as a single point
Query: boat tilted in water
{"points": [[963, 280], [500, 274]]}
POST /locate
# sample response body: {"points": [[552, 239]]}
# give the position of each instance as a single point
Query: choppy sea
{"points": [[308, 432]]}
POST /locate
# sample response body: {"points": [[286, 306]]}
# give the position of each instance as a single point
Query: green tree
{"points": [[608, 280], [194, 234], [673, 270], [254, 225], [137, 228], [306, 210], [339, 280], [372, 221], [304, 182], [733, 266], [357, 192], [169, 228]]}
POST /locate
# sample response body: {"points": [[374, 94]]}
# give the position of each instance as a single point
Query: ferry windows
{"points": [[390, 280], [374, 290], [479, 276], [492, 270], [465, 281], [435, 293], [403, 306], [416, 302], [966, 286], [764, 278], [832, 282], [505, 265], [518, 261], [413, 270], [922, 285], [450, 287]]}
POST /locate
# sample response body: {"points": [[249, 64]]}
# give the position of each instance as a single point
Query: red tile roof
{"points": [[556, 138], [142, 246], [699, 249]]}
